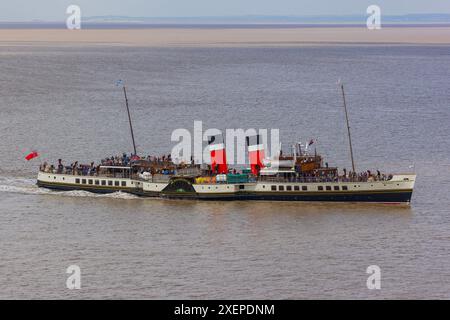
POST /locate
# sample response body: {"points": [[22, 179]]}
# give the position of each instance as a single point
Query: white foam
{"points": [[21, 189], [17, 181], [81, 193]]}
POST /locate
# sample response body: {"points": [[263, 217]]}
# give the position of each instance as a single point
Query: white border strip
{"points": [[256, 147], [215, 147]]}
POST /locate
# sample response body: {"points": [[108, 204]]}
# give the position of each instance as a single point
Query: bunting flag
{"points": [[31, 155]]}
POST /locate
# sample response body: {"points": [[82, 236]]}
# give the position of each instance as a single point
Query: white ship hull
{"points": [[397, 190]]}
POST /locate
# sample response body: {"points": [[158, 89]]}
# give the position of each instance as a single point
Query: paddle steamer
{"points": [[298, 176]]}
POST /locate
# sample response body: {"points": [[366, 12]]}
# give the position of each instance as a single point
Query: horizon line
{"points": [[254, 19]]}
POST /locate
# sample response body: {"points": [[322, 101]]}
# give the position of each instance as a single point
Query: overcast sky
{"points": [[54, 10]]}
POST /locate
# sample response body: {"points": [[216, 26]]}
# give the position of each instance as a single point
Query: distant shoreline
{"points": [[229, 37], [240, 21], [262, 25]]}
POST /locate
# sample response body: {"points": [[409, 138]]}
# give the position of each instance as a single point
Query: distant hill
{"points": [[327, 19], [250, 21]]}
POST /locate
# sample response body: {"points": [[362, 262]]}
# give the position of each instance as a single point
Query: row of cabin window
{"points": [[289, 188], [305, 188], [102, 182]]}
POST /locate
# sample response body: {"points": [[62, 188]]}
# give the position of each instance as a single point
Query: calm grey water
{"points": [[63, 103]]}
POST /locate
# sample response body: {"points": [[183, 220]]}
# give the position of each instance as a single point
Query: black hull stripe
{"points": [[385, 197], [380, 197]]}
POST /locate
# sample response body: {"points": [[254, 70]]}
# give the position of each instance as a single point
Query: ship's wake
{"points": [[28, 186]]}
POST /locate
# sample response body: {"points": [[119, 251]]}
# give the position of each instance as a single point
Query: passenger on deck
{"points": [[60, 167], [92, 169], [44, 167], [74, 168]]}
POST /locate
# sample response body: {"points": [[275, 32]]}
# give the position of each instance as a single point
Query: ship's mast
{"points": [[129, 117], [348, 126]]}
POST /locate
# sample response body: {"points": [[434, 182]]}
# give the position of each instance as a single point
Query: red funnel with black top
{"points": [[255, 153], [218, 154]]}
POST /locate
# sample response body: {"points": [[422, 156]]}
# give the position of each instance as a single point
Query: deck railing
{"points": [[195, 172]]}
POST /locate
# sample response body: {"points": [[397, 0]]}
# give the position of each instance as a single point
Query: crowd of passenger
{"points": [[125, 160], [365, 176], [159, 159], [164, 166], [74, 168]]}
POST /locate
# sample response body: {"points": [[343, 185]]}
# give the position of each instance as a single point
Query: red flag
{"points": [[32, 155]]}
